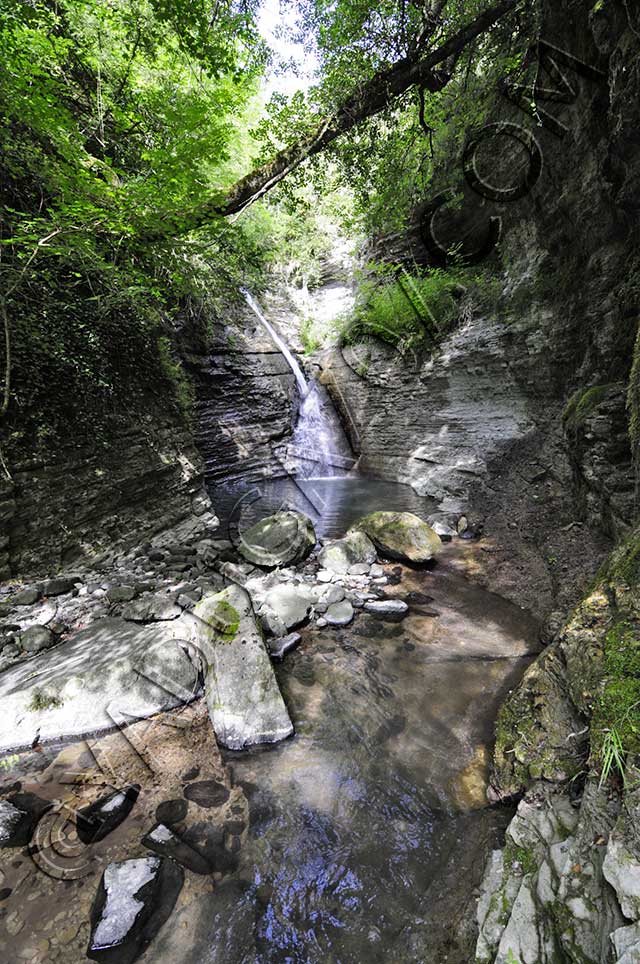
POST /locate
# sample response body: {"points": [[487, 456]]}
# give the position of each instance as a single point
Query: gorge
{"points": [[320, 620]]}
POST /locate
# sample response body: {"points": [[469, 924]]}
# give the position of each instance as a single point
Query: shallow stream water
{"points": [[370, 827], [366, 832]]}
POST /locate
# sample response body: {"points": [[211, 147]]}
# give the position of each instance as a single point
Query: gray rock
{"points": [[376, 571], [243, 699], [26, 597], [621, 868], [339, 613], [272, 624], [400, 535], [37, 638], [58, 587], [134, 899], [280, 647], [321, 622], [120, 594], [339, 556], [626, 941], [280, 539], [290, 604], [387, 607], [359, 569], [150, 608], [334, 594], [325, 575]]}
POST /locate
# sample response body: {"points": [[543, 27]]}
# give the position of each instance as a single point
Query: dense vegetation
{"points": [[123, 121]]}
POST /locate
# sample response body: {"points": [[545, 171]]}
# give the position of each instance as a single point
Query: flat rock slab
{"points": [[103, 676], [243, 698]]}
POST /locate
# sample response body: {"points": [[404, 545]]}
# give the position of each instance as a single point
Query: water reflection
{"points": [[333, 504]]}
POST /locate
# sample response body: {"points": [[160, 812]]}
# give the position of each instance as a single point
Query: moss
{"points": [[624, 563], [43, 701], [226, 620], [525, 856], [582, 404], [618, 706]]}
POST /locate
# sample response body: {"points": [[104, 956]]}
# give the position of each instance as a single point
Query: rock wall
{"points": [[246, 400], [519, 419], [81, 503], [566, 886]]}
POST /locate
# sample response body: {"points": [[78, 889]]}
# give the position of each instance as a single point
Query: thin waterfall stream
{"points": [[319, 448]]}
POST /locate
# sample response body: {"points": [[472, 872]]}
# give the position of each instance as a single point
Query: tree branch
{"points": [[379, 92]]}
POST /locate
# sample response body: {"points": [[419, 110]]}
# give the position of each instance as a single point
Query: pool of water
{"points": [[332, 503]]}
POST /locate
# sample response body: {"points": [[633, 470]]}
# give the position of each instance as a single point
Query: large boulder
{"points": [[290, 604], [283, 539], [355, 548], [243, 699], [134, 899], [400, 535]]}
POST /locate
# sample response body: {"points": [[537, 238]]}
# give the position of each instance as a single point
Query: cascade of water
{"points": [[301, 381], [318, 448]]}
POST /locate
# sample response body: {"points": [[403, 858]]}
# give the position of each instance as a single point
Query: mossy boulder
{"points": [[283, 539], [400, 535]]}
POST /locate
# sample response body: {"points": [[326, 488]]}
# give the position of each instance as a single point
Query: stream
{"points": [[370, 827], [364, 836]]}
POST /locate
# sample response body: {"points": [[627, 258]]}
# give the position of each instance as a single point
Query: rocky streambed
{"points": [[361, 835]]}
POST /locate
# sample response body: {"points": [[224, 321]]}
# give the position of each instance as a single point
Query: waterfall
{"points": [[301, 381], [318, 447]]}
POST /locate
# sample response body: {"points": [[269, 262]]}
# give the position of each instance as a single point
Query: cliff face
{"points": [[80, 503], [519, 420], [246, 398]]}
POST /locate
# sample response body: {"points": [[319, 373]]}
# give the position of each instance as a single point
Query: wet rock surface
{"points": [[134, 900], [100, 818], [19, 815], [244, 701]]}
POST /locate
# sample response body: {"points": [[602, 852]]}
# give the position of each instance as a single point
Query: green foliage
{"points": [[115, 118], [582, 404], [524, 856], [43, 701], [615, 728], [309, 339], [406, 311]]}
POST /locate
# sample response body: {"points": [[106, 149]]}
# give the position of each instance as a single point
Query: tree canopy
{"points": [[130, 129]]}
